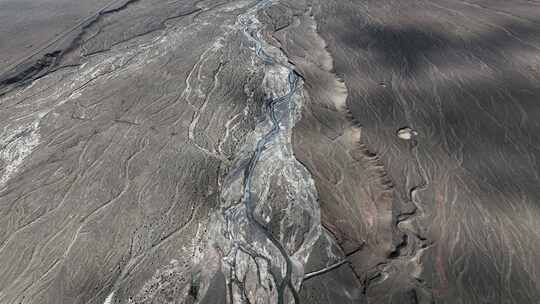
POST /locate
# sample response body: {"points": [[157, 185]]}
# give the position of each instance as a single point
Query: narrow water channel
{"points": [[276, 108]]}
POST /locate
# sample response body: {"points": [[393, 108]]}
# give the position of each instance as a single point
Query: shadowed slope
{"points": [[466, 79]]}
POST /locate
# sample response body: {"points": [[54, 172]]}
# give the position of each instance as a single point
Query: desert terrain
{"points": [[269, 151]]}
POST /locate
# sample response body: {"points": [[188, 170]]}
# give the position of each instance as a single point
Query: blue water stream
{"points": [[272, 110]]}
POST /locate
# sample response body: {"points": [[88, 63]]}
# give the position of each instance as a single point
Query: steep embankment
{"points": [[463, 75]]}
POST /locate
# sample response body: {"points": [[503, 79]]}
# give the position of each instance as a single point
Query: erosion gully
{"points": [[272, 109]]}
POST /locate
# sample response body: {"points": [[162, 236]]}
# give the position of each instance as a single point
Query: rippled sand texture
{"points": [[293, 151], [110, 167], [465, 76]]}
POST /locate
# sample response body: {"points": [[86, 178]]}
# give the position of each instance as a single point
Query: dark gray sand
{"points": [[294, 151], [30, 29], [464, 76]]}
